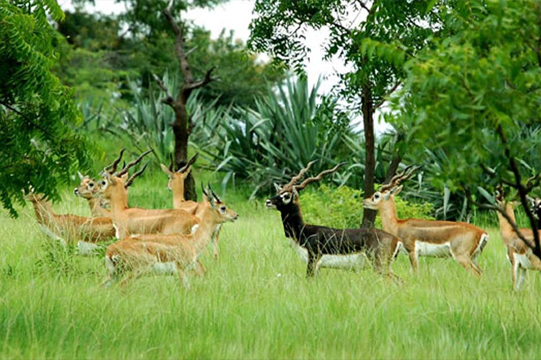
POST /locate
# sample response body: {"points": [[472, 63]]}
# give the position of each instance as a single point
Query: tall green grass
{"points": [[255, 302]]}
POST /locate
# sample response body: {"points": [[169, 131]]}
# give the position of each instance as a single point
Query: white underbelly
{"points": [[86, 248], [164, 268], [433, 250], [523, 261], [353, 261]]}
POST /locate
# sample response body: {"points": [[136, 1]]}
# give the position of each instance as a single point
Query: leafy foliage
{"points": [[287, 130], [375, 43], [343, 207], [99, 56], [36, 111], [148, 123], [475, 94], [474, 87]]}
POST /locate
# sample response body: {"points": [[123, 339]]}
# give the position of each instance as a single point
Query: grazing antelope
{"points": [[69, 228], [318, 242], [176, 185], [462, 241], [519, 253], [151, 252], [130, 221]]}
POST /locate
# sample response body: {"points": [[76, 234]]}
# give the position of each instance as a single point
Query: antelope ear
{"points": [[81, 176], [396, 190], [211, 199], [205, 193], [166, 170], [187, 171], [277, 187], [110, 179], [531, 200], [295, 192]]}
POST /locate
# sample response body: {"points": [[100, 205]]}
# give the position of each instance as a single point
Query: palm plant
{"points": [[284, 132], [148, 122]]}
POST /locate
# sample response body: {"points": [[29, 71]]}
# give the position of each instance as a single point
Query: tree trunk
{"points": [[393, 166], [369, 216], [182, 125], [181, 134]]}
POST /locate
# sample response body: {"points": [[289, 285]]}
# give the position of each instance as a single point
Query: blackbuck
{"points": [[135, 255], [68, 228], [129, 221], [459, 240], [345, 246], [87, 189], [519, 253]]}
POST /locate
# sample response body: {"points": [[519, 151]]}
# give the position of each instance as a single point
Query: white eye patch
{"points": [[104, 184], [286, 197]]}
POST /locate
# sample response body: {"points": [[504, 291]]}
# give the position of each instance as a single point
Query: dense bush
{"points": [[343, 207]]}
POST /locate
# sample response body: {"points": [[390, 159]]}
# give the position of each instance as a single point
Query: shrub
{"points": [[343, 207]]}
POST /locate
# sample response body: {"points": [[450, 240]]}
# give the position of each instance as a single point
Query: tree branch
{"points": [[491, 172], [393, 89], [207, 79], [179, 46], [522, 191], [168, 99], [502, 211], [45, 131]]}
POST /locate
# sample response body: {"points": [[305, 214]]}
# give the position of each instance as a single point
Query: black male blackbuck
{"points": [[519, 253], [374, 245], [138, 254], [459, 240]]}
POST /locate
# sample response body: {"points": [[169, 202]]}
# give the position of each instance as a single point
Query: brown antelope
{"points": [[462, 241], [130, 221], [141, 253], [338, 247], [87, 189], [519, 253], [176, 186], [69, 228]]}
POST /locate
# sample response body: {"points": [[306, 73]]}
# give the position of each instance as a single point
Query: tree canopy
{"points": [[476, 95], [101, 53], [39, 149], [375, 39]]}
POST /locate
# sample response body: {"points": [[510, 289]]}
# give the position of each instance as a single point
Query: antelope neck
{"points": [[205, 230], [292, 221], [95, 207], [178, 197], [43, 210], [505, 228], [387, 211], [119, 200]]}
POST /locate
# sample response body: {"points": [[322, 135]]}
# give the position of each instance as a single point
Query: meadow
{"points": [[254, 302]]}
